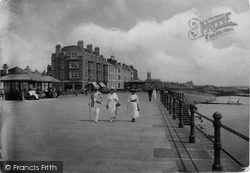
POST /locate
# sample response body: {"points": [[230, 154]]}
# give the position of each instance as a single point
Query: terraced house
{"points": [[79, 68]]}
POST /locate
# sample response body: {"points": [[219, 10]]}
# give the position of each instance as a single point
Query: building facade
{"points": [[124, 73], [79, 68], [112, 75]]}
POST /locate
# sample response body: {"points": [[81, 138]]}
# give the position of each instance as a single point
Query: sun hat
{"points": [[132, 90], [112, 88]]}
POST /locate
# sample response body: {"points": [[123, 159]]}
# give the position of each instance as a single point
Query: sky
{"points": [[151, 35]]}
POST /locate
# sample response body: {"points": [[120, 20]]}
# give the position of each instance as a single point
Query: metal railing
{"points": [[170, 100]]}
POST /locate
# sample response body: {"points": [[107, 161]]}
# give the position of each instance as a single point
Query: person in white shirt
{"points": [[112, 99], [133, 105], [96, 101]]}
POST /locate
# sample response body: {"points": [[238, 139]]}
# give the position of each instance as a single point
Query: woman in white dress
{"points": [[133, 105], [154, 94], [112, 99]]}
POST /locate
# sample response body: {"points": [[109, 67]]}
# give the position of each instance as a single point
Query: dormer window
{"points": [[73, 55]]}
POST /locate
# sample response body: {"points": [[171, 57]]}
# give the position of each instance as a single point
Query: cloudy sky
{"points": [[151, 35]]}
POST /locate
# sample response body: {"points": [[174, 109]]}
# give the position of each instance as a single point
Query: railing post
{"points": [[174, 108], [167, 101], [170, 104], [217, 142], [181, 114], [191, 136]]}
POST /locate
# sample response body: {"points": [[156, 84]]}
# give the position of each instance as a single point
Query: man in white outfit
{"points": [[112, 99], [96, 100]]}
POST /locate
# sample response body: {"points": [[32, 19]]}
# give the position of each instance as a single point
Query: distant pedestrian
{"points": [[150, 92], [154, 94], [133, 105], [95, 102], [112, 99]]}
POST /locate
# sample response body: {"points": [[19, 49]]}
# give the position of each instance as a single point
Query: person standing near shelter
{"points": [[112, 99], [150, 91], [96, 101], [133, 105], [154, 94]]}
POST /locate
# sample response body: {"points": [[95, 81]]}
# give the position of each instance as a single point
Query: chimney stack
{"points": [[5, 69], [80, 44], [58, 50], [89, 47], [97, 51]]}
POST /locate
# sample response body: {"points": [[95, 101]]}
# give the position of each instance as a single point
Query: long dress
{"points": [[133, 101], [154, 94], [112, 99]]}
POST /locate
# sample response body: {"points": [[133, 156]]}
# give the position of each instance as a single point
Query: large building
{"points": [[79, 68], [119, 73]]}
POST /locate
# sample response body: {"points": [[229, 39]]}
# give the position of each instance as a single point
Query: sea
{"points": [[235, 117]]}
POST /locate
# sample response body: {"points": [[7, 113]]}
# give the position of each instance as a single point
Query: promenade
{"points": [[61, 130]]}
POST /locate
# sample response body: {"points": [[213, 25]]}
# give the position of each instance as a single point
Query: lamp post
{"points": [[89, 84]]}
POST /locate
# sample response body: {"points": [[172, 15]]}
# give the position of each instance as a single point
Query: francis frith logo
{"points": [[212, 27]]}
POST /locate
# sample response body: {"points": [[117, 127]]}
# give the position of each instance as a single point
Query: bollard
{"points": [[174, 108], [181, 114], [165, 96], [170, 104], [217, 142], [191, 136]]}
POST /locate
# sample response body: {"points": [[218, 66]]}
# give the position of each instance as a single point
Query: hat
{"points": [[112, 88], [132, 90]]}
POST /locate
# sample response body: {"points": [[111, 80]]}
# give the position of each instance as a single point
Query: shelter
{"points": [[20, 82]]}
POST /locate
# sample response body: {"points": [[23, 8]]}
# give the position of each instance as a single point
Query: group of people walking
{"points": [[112, 104]]}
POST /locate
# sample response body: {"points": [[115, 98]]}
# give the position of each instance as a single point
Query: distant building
{"points": [[79, 68], [123, 73]]}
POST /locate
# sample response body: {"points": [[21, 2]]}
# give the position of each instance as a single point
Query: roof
{"points": [[28, 77], [109, 64], [71, 48]]}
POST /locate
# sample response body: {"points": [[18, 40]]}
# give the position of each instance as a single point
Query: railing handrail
{"points": [[179, 97], [211, 120], [225, 127]]}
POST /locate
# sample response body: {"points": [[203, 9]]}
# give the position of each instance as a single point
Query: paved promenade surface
{"points": [[60, 130]]}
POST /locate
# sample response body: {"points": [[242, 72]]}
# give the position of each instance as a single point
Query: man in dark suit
{"points": [[150, 91]]}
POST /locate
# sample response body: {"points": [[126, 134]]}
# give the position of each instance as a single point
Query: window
{"points": [[73, 74], [74, 64], [119, 70], [62, 74], [53, 65], [7, 87], [119, 85], [62, 64], [119, 77], [73, 55]]}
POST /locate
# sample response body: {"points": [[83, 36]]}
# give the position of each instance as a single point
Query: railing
{"points": [[171, 99]]}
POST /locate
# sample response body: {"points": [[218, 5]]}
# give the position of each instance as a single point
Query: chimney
{"points": [[80, 44], [112, 57], [97, 51], [5, 69], [58, 50], [89, 47]]}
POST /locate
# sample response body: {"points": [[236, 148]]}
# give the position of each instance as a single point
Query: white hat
{"points": [[112, 88]]}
